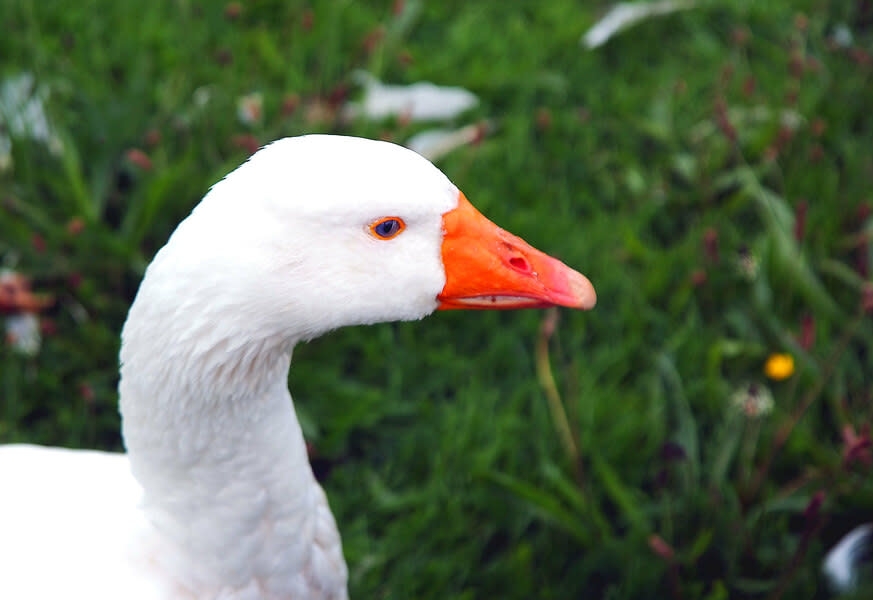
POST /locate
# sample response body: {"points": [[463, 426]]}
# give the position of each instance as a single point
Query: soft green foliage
{"points": [[709, 170]]}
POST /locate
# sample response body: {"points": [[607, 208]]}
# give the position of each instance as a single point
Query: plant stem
{"points": [[550, 389]]}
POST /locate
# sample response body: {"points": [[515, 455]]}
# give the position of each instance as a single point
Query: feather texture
{"points": [[215, 497]]}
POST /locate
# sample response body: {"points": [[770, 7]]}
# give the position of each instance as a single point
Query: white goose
{"points": [[215, 498]]}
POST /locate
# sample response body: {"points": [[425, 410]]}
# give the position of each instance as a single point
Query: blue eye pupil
{"points": [[387, 228]]}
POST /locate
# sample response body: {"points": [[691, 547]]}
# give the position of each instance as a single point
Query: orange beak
{"points": [[489, 268]]}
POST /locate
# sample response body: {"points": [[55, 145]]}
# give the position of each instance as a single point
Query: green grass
{"points": [[671, 166]]}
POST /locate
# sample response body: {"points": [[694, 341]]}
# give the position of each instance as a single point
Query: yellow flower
{"points": [[779, 366]]}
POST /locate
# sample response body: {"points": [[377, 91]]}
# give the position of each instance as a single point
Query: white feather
{"points": [[216, 498], [422, 101], [841, 563]]}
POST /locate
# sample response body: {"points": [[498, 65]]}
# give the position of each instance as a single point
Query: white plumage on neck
{"points": [[278, 252], [228, 487], [275, 253]]}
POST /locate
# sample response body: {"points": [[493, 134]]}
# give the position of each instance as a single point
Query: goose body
{"points": [[215, 498]]}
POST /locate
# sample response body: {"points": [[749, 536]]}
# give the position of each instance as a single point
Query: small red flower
{"points": [[710, 244], [867, 298], [139, 158], [308, 20], [86, 392], [372, 40], [338, 95], [800, 212], [857, 446], [801, 21], [661, 548], [232, 11], [152, 138], [723, 121], [813, 508], [289, 104], [861, 57], [38, 243], [48, 327], [544, 119], [807, 332], [247, 142], [75, 226], [405, 58], [74, 280], [739, 36], [796, 64]]}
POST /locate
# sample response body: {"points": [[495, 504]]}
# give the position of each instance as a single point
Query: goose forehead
{"points": [[341, 176]]}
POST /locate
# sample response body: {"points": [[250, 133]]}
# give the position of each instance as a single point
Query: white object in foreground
{"points": [[215, 498]]}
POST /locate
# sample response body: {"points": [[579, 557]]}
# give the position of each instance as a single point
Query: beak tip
{"points": [[582, 291]]}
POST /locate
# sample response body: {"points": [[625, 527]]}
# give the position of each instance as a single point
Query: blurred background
{"points": [[703, 433]]}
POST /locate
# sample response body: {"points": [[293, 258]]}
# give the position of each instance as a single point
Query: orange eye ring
{"points": [[387, 228]]}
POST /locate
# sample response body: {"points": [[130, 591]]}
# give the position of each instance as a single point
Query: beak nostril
{"points": [[519, 263]]}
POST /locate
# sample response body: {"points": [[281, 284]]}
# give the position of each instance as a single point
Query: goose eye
{"points": [[387, 227]]}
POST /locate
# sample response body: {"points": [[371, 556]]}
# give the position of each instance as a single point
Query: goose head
{"points": [[318, 232], [311, 234]]}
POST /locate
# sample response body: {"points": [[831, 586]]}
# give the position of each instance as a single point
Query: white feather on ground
{"points": [[842, 563]]}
